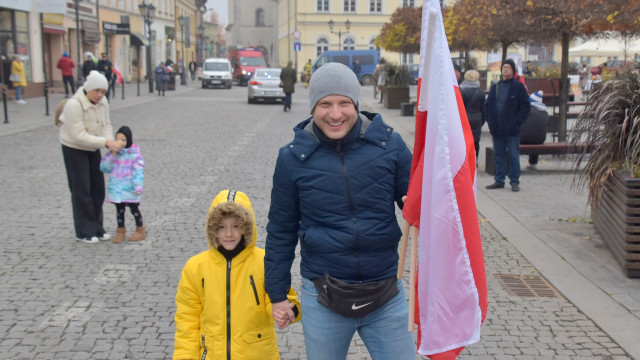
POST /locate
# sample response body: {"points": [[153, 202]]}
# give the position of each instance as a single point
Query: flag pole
{"points": [[403, 248], [412, 279]]}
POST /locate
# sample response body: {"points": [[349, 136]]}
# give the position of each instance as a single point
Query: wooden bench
{"points": [[548, 148]]}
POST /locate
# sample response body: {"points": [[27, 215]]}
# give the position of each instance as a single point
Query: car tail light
{"points": [[253, 82]]}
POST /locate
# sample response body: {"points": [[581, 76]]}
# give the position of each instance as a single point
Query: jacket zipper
{"points": [[255, 291], [350, 201], [204, 347], [228, 309]]}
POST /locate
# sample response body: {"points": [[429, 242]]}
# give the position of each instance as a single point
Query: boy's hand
{"points": [[282, 313]]}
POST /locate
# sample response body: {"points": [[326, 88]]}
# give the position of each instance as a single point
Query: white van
{"points": [[216, 72]]}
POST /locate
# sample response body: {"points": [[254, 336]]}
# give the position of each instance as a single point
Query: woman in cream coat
{"points": [[85, 129]]}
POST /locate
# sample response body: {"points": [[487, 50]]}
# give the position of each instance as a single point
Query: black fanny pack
{"points": [[354, 300]]}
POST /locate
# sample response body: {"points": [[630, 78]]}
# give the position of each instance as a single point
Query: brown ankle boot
{"points": [[120, 235], [140, 234]]}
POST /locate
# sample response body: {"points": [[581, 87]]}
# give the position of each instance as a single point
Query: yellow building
{"points": [[305, 29]]}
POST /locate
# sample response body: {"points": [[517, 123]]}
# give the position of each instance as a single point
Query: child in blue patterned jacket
{"points": [[126, 182]]}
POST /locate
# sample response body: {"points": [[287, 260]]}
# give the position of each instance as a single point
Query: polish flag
{"points": [[117, 72], [451, 287]]}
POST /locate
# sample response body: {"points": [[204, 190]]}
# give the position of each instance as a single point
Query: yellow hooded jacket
{"points": [[223, 311]]}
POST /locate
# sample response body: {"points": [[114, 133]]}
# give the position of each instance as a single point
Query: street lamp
{"points": [[347, 25], [201, 42], [148, 12], [183, 21]]}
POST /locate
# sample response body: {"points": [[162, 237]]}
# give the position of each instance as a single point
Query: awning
{"points": [[606, 47], [137, 39], [53, 29]]}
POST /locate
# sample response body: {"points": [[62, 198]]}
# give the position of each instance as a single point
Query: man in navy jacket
{"points": [[507, 108], [335, 187]]}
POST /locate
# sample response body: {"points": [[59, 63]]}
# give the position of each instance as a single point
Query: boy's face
{"points": [[228, 233]]}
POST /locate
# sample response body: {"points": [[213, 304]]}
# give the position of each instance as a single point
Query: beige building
{"points": [[251, 24], [308, 28]]}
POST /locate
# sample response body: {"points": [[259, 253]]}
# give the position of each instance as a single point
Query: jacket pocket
{"points": [[259, 343]]}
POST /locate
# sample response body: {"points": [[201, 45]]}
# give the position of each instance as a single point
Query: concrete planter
{"points": [[617, 220]]}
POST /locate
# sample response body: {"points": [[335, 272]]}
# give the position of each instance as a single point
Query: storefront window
{"points": [[14, 43]]}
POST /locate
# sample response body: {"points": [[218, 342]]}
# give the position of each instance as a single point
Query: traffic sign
{"points": [[297, 34], [297, 46]]}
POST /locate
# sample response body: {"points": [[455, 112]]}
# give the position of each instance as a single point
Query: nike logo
{"points": [[356, 307]]}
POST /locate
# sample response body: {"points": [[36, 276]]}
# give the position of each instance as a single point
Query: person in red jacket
{"points": [[66, 65]]}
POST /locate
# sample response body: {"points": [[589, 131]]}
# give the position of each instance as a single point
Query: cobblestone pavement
{"points": [[61, 299]]}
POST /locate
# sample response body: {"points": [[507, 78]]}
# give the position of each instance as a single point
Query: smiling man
{"points": [[334, 189]]}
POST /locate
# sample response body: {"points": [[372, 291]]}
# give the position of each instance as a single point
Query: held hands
{"points": [[282, 313], [114, 145]]}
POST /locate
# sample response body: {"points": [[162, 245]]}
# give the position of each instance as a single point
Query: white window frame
{"points": [[322, 6], [376, 5], [322, 45], [349, 6]]}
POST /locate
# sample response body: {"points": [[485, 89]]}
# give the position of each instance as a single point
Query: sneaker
{"points": [[105, 237], [21, 101], [532, 167], [515, 187], [89, 240], [495, 185]]}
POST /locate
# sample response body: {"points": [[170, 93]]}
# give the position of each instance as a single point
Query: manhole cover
{"points": [[528, 286]]}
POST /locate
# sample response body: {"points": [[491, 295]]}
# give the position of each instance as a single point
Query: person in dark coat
{"points": [[88, 65], [288, 78], [106, 68], [162, 78], [473, 98], [534, 130], [507, 108], [357, 68], [193, 66]]}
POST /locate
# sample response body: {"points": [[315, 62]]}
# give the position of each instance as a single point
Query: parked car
{"points": [[264, 84], [216, 72], [613, 65]]}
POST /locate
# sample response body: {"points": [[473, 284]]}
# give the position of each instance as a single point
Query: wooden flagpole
{"points": [[412, 279], [402, 252]]}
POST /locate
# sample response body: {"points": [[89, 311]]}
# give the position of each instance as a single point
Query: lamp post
{"points": [[201, 42], [183, 21], [347, 25], [79, 68], [148, 12]]}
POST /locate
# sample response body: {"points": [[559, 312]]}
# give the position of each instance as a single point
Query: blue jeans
{"points": [[385, 333], [18, 92], [507, 147], [287, 100]]}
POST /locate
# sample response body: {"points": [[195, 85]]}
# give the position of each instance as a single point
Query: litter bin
{"points": [[171, 85]]}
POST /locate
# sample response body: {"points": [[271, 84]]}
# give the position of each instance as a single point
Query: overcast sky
{"points": [[221, 7]]}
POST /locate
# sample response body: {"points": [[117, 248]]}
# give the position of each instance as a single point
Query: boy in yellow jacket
{"points": [[222, 307]]}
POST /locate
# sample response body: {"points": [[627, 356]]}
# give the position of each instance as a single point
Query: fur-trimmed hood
{"points": [[231, 203]]}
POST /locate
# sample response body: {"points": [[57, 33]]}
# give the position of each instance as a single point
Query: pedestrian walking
{"points": [[193, 66], [288, 80], [376, 76], [126, 183], [18, 78], [507, 108], [473, 99], [222, 309], [308, 70], [85, 129], [162, 78], [66, 66], [357, 69], [335, 187]]}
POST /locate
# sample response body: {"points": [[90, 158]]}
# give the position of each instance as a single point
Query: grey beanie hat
{"points": [[333, 79]]}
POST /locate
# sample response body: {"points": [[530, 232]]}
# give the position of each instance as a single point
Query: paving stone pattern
{"points": [[61, 299]]}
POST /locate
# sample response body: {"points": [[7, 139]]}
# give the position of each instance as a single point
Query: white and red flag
{"points": [[451, 288], [117, 72]]}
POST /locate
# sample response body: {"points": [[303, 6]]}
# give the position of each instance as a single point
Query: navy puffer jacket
{"points": [[338, 198]]}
